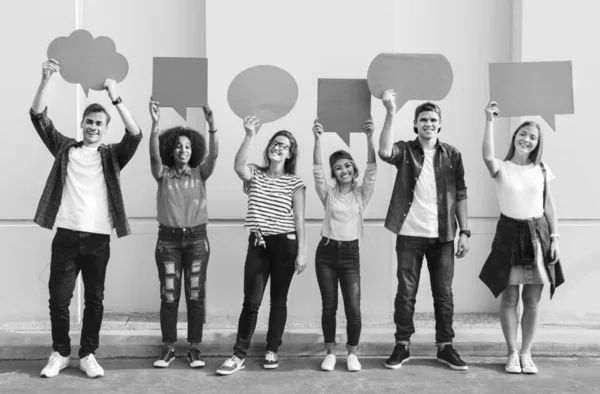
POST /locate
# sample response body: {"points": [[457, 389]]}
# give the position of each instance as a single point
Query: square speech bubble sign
{"points": [[343, 105], [180, 82], [533, 88]]}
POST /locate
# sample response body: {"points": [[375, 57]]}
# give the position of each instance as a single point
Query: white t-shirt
{"points": [[422, 218], [520, 189], [84, 204]]}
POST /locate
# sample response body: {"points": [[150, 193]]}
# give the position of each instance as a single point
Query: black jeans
{"points": [[182, 251], [440, 261], [72, 252], [276, 260], [335, 262]]}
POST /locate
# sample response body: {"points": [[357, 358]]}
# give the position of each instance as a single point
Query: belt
{"points": [[182, 230], [340, 244]]}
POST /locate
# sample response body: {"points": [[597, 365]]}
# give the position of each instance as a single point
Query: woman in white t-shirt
{"points": [[337, 257], [525, 249], [276, 246]]}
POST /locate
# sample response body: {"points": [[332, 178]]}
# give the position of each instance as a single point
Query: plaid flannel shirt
{"points": [[114, 158]]}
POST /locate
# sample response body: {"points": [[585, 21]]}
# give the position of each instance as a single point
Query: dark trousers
{"points": [[440, 261], [335, 262], [182, 252], [276, 260], [72, 252]]}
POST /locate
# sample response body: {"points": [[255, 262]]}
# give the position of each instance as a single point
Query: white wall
{"points": [[310, 39]]}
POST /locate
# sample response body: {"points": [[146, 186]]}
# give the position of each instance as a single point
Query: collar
{"points": [[173, 172], [438, 145]]}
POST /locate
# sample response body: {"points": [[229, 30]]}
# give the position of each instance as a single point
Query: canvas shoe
{"points": [[329, 363], [513, 364], [449, 356], [527, 365], [271, 361], [166, 357], [399, 355], [194, 357], [352, 363]]}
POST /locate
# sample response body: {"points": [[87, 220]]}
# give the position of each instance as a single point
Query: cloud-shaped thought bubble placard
{"points": [[413, 76], [533, 88], [88, 61], [265, 91]]}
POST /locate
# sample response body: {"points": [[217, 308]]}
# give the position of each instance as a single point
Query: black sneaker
{"points": [[271, 361], [167, 355], [449, 356], [399, 355], [194, 357]]}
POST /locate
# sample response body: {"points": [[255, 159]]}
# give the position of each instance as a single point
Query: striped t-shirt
{"points": [[270, 202]]}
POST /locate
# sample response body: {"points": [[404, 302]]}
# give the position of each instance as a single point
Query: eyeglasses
{"points": [[279, 145]]}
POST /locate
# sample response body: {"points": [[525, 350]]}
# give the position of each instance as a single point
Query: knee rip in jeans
{"points": [[169, 287], [195, 279]]}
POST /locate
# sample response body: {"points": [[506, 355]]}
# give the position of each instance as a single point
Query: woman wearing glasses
{"points": [[276, 246]]}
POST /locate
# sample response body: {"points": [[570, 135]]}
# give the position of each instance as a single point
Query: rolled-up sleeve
{"points": [[461, 187], [396, 156]]}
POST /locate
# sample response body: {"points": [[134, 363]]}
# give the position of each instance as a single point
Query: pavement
{"points": [[303, 375]]}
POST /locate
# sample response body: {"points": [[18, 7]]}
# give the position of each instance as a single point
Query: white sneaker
{"points": [[527, 365], [513, 365], [56, 363], [90, 366], [353, 363], [329, 363]]}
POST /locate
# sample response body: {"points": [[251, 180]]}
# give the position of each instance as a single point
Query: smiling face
{"points": [[428, 124], [343, 171], [182, 151], [526, 139], [279, 149], [93, 127]]}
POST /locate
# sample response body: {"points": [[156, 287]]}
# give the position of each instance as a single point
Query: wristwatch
{"points": [[465, 232], [117, 101]]}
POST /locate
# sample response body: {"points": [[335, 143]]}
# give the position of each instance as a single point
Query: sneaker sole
{"points": [[512, 370], [162, 363], [197, 364], [396, 366], [529, 372], [270, 366], [454, 367], [327, 369], [229, 372], [91, 376], [43, 375]]}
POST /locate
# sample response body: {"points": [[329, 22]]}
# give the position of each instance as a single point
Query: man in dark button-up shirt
{"points": [[83, 199], [429, 197]]}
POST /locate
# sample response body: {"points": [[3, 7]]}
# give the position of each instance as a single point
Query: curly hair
{"points": [[167, 142], [290, 162]]}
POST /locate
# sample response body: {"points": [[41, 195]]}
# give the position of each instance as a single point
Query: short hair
{"points": [[425, 107], [290, 162], [535, 156], [94, 108], [168, 140]]}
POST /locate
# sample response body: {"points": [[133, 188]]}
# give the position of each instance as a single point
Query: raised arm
{"points": [[155, 160], [386, 139], [251, 125], [213, 144], [317, 131], [487, 149], [128, 120], [298, 203], [552, 219], [368, 128], [49, 67], [318, 173]]}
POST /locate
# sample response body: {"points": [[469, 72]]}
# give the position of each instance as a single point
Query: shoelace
{"points": [[513, 360], [230, 362], [165, 353], [194, 354], [527, 361], [54, 359], [92, 362], [271, 356], [454, 354]]}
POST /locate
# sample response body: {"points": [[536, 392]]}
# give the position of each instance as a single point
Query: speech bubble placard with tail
{"points": [[180, 83], [533, 88], [265, 91], [343, 105], [413, 76], [88, 61]]}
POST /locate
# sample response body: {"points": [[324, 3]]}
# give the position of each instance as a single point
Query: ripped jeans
{"points": [[182, 252]]}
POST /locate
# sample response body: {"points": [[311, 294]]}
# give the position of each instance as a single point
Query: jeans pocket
{"points": [[292, 247]]}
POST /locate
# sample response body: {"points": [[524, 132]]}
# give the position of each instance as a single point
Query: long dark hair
{"points": [[168, 140], [535, 156], [290, 162]]}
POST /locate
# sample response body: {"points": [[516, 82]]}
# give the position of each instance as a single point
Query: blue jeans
{"points": [[440, 261], [335, 262], [276, 260], [182, 251], [72, 252]]}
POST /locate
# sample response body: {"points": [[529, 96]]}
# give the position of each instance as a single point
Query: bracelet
{"points": [[117, 101], [555, 235], [212, 131]]}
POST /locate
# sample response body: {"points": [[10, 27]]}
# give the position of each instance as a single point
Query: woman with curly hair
{"points": [[276, 246], [179, 164]]}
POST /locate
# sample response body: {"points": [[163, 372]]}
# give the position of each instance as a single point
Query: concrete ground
{"points": [[303, 375]]}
